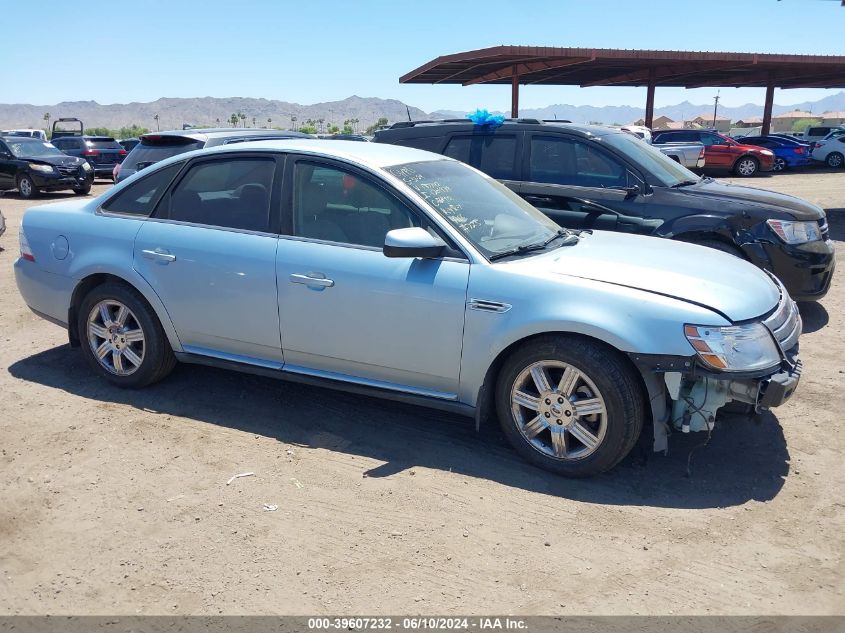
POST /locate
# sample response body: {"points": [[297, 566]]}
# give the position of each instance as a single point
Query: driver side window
{"points": [[337, 205]]}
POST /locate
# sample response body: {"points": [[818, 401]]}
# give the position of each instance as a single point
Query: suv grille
{"points": [[785, 321], [68, 171]]}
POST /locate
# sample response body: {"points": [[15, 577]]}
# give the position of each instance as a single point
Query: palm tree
{"points": [[269, 121], [321, 121], [156, 120], [47, 120], [218, 121], [253, 121], [293, 123], [234, 120], [242, 117]]}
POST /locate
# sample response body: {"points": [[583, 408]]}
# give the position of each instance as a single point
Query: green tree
{"points": [[800, 124], [234, 120], [382, 122], [47, 121], [242, 117], [333, 129]]}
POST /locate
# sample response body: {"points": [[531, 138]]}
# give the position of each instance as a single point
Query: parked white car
{"points": [[39, 134], [831, 150]]}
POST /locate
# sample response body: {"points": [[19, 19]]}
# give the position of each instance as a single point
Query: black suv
{"points": [[157, 146], [101, 152], [31, 166], [593, 177]]}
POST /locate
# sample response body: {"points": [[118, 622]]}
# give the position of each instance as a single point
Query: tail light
{"points": [[90, 152], [26, 251], [798, 150], [122, 152], [818, 145], [701, 153]]}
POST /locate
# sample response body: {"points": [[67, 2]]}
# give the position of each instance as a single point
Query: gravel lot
{"points": [[116, 502]]}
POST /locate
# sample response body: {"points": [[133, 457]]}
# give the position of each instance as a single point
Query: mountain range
{"points": [[174, 112]]}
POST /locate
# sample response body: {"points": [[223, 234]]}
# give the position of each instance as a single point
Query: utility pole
{"points": [[715, 108]]}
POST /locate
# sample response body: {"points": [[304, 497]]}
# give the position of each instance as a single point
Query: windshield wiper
{"points": [[685, 183], [570, 238]]}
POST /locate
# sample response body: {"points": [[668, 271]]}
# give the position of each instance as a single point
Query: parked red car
{"points": [[721, 152]]}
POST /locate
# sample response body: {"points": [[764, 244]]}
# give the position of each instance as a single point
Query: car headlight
{"points": [[46, 169], [86, 166], [767, 152], [794, 232], [734, 347]]}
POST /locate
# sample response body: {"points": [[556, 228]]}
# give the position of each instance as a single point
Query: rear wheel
{"points": [[569, 405], [746, 166], [26, 187], [834, 159], [122, 338]]}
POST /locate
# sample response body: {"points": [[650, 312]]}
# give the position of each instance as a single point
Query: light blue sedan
{"points": [[400, 273]]}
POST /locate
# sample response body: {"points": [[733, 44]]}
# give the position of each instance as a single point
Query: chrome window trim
{"points": [[199, 225], [360, 247]]}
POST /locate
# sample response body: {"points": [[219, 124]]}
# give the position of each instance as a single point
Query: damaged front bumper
{"points": [[686, 397]]}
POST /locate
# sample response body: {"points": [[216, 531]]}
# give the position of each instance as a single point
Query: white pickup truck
{"points": [[690, 155]]}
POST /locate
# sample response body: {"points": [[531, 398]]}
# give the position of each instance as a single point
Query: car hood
{"points": [[796, 207], [696, 274], [56, 161]]}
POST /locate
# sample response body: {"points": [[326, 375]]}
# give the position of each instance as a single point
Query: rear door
{"points": [[209, 251], [497, 154], [8, 168]]}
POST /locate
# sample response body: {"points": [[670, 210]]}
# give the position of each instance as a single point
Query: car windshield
{"points": [[666, 170], [486, 212], [31, 148]]}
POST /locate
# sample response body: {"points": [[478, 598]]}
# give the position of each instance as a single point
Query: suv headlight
{"points": [[794, 232], [44, 169], [734, 347], [86, 166]]}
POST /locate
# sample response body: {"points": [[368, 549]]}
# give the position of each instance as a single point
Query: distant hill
{"points": [[206, 111], [174, 112]]}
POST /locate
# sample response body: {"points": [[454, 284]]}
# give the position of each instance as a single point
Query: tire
{"points": [[26, 188], [142, 362], [82, 191], [780, 164], [835, 160], [719, 245], [746, 166], [602, 380]]}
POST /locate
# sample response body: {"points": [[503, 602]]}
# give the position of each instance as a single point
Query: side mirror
{"points": [[413, 242]]}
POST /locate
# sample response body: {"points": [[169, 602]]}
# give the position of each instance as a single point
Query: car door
{"points": [[718, 153], [349, 312], [209, 252], [498, 154], [8, 168], [563, 171]]}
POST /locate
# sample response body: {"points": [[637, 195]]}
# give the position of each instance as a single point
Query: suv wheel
{"points": [[26, 187], [834, 159], [122, 338], [569, 405], [82, 191], [746, 166]]}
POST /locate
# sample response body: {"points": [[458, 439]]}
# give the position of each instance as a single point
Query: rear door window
{"points": [[228, 193], [494, 154], [140, 197]]}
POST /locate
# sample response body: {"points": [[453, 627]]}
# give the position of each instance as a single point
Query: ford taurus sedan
{"points": [[396, 272]]}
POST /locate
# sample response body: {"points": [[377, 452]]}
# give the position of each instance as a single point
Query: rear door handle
{"points": [[311, 279], [159, 255]]}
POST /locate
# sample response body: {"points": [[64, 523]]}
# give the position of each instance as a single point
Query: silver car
{"points": [[392, 271]]}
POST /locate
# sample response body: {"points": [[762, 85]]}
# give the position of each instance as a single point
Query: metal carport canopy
{"points": [[585, 67]]}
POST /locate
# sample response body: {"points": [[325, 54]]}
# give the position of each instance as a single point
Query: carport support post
{"points": [[767, 109], [649, 99], [514, 94]]}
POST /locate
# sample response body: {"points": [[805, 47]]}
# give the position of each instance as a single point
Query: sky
{"points": [[326, 50]]}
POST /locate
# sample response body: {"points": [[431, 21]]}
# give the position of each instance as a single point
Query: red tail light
{"points": [[90, 152], [122, 152], [701, 153], [798, 150], [26, 251]]}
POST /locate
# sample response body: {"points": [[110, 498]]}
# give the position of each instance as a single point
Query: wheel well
{"points": [[486, 396], [696, 237], [675, 158], [751, 156], [83, 288]]}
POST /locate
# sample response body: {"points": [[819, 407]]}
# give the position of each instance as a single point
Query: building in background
{"points": [[833, 118], [786, 122]]}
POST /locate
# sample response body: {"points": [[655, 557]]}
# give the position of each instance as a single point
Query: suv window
{"points": [[139, 197], [229, 193], [494, 154], [340, 206], [564, 161], [676, 137], [818, 131], [149, 153]]}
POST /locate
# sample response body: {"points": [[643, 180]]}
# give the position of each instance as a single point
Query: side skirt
{"points": [[374, 392]]}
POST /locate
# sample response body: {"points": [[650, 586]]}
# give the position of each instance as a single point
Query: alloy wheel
{"points": [[116, 337], [746, 167], [559, 410], [779, 165], [25, 187], [834, 160]]}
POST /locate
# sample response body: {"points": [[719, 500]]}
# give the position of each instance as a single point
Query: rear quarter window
{"points": [[140, 197]]}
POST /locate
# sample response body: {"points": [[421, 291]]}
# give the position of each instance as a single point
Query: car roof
{"points": [[376, 155], [419, 127], [223, 132], [18, 139]]}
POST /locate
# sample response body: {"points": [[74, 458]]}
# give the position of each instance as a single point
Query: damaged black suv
{"points": [[593, 177]]}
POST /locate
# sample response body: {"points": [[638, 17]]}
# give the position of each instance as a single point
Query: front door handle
{"points": [[160, 255], [311, 279]]}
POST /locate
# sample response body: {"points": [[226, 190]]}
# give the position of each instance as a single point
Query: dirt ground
{"points": [[116, 502]]}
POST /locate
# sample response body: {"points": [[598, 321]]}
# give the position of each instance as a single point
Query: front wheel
{"points": [[746, 166], [834, 159], [780, 164], [570, 405], [26, 187], [122, 338], [82, 191]]}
